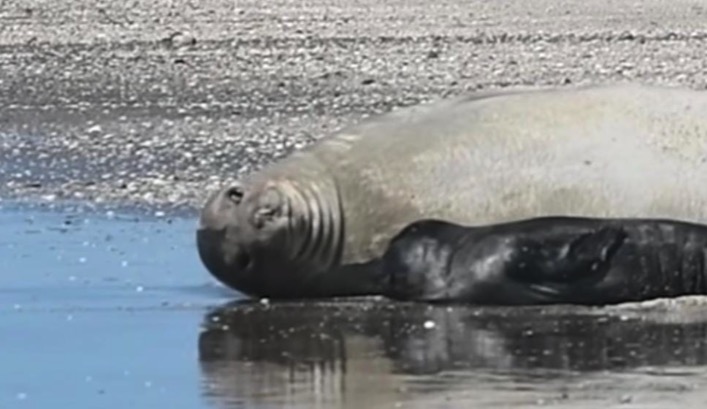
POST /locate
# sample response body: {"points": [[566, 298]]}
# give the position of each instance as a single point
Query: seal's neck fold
{"points": [[316, 225], [315, 230]]}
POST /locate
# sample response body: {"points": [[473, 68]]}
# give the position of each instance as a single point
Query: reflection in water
{"points": [[353, 354]]}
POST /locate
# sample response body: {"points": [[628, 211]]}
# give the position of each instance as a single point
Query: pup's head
{"points": [[417, 260]]}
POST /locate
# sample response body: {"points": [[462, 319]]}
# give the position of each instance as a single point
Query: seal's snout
{"points": [[245, 236], [219, 233], [227, 262]]}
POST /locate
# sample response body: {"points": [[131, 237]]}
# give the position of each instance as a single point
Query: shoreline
{"points": [[111, 210]]}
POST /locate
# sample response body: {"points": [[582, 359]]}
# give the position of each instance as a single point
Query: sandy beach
{"points": [[158, 102]]}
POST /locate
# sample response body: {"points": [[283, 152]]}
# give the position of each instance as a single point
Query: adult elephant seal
{"points": [[546, 260], [620, 150]]}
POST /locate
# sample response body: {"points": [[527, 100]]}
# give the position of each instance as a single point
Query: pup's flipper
{"points": [[565, 257]]}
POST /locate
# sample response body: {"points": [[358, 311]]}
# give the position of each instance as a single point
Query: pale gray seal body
{"points": [[609, 151]]}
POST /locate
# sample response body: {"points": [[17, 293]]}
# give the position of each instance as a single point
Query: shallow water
{"points": [[115, 312], [99, 311]]}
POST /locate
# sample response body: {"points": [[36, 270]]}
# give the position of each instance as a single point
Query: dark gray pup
{"points": [[545, 260]]}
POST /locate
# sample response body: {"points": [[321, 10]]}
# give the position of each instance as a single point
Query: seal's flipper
{"points": [[566, 258]]}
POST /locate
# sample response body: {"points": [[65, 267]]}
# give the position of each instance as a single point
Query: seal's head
{"points": [[417, 260], [269, 238]]}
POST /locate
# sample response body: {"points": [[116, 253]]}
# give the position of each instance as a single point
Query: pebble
{"points": [[94, 129], [626, 399]]}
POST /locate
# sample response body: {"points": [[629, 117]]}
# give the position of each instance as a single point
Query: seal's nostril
{"points": [[235, 194]]}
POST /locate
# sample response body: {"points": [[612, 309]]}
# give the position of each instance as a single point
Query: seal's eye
{"points": [[235, 194]]}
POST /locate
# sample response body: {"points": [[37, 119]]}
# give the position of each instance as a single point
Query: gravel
{"points": [[157, 103]]}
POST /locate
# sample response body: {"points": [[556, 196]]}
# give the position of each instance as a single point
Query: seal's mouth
{"points": [[230, 263], [243, 261], [209, 250]]}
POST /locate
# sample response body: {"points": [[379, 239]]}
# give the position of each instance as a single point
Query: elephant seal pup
{"points": [[607, 151], [546, 260]]}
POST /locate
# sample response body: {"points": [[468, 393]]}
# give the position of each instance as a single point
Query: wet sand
{"points": [[382, 355], [141, 108]]}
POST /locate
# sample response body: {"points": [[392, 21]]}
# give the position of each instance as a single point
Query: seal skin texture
{"points": [[623, 150], [546, 260]]}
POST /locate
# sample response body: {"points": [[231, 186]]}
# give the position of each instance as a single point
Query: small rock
{"points": [[95, 129], [179, 39], [626, 399]]}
